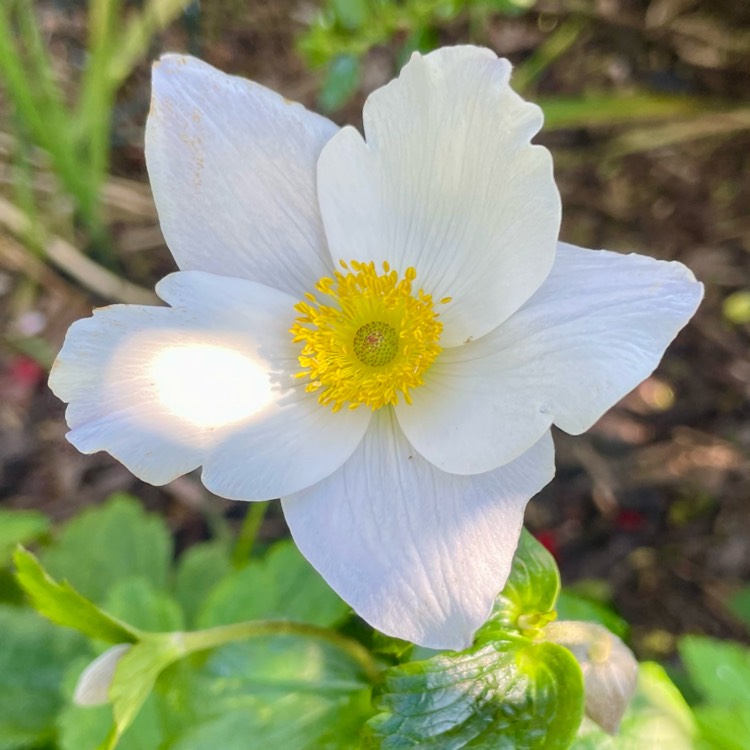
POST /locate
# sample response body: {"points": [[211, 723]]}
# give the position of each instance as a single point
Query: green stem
{"points": [[556, 45], [202, 640], [248, 533], [95, 111]]}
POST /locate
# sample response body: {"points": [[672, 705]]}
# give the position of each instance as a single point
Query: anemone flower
{"points": [[378, 330]]}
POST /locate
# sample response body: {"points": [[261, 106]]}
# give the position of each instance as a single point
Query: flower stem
{"points": [[248, 533], [201, 640]]}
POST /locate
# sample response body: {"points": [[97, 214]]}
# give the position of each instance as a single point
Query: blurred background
{"points": [[647, 106]]}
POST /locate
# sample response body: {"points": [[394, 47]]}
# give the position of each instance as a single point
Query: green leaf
{"points": [[596, 110], [283, 691], [385, 645], [527, 602], [740, 605], [62, 604], [657, 717], [137, 602], [20, 527], [341, 82], [350, 14], [720, 671], [84, 728], [283, 585], [106, 544], [139, 668], [422, 40], [573, 606], [10, 591], [33, 658], [511, 694], [136, 675], [200, 569], [724, 728]]}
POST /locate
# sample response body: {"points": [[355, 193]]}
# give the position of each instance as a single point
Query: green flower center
{"points": [[376, 344]]}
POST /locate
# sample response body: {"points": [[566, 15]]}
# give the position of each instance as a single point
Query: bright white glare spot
{"points": [[210, 385]]}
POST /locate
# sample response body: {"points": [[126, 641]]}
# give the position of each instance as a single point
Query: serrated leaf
{"points": [[283, 691], [283, 585], [20, 527], [139, 603], [104, 545], [511, 694], [199, 570], [286, 672], [62, 604], [657, 717], [34, 656], [527, 602], [719, 670]]}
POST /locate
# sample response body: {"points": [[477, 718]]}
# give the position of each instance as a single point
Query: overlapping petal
{"points": [[418, 553], [596, 328], [232, 168], [447, 182], [206, 381]]}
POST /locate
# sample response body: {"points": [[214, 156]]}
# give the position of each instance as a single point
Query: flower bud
{"points": [[610, 671], [93, 685]]}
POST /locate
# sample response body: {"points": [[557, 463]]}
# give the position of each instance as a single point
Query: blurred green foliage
{"points": [[279, 659], [75, 136], [280, 662], [346, 30], [720, 673]]}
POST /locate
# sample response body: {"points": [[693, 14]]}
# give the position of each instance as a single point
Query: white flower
{"points": [[466, 329]]}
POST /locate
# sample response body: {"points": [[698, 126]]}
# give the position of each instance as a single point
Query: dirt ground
{"points": [[652, 504]]}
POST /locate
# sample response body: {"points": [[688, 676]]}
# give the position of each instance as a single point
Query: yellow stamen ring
{"points": [[372, 343]]}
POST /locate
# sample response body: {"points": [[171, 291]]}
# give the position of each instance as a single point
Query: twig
{"points": [[67, 258]]}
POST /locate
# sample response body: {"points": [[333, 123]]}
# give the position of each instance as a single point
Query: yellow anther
{"points": [[372, 343]]}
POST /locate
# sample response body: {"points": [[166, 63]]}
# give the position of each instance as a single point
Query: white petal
{"points": [[418, 553], [297, 445], [92, 688], [447, 182], [165, 390], [596, 328], [610, 671], [232, 169]]}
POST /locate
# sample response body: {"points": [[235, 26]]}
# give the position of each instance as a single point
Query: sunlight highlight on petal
{"points": [[210, 386]]}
